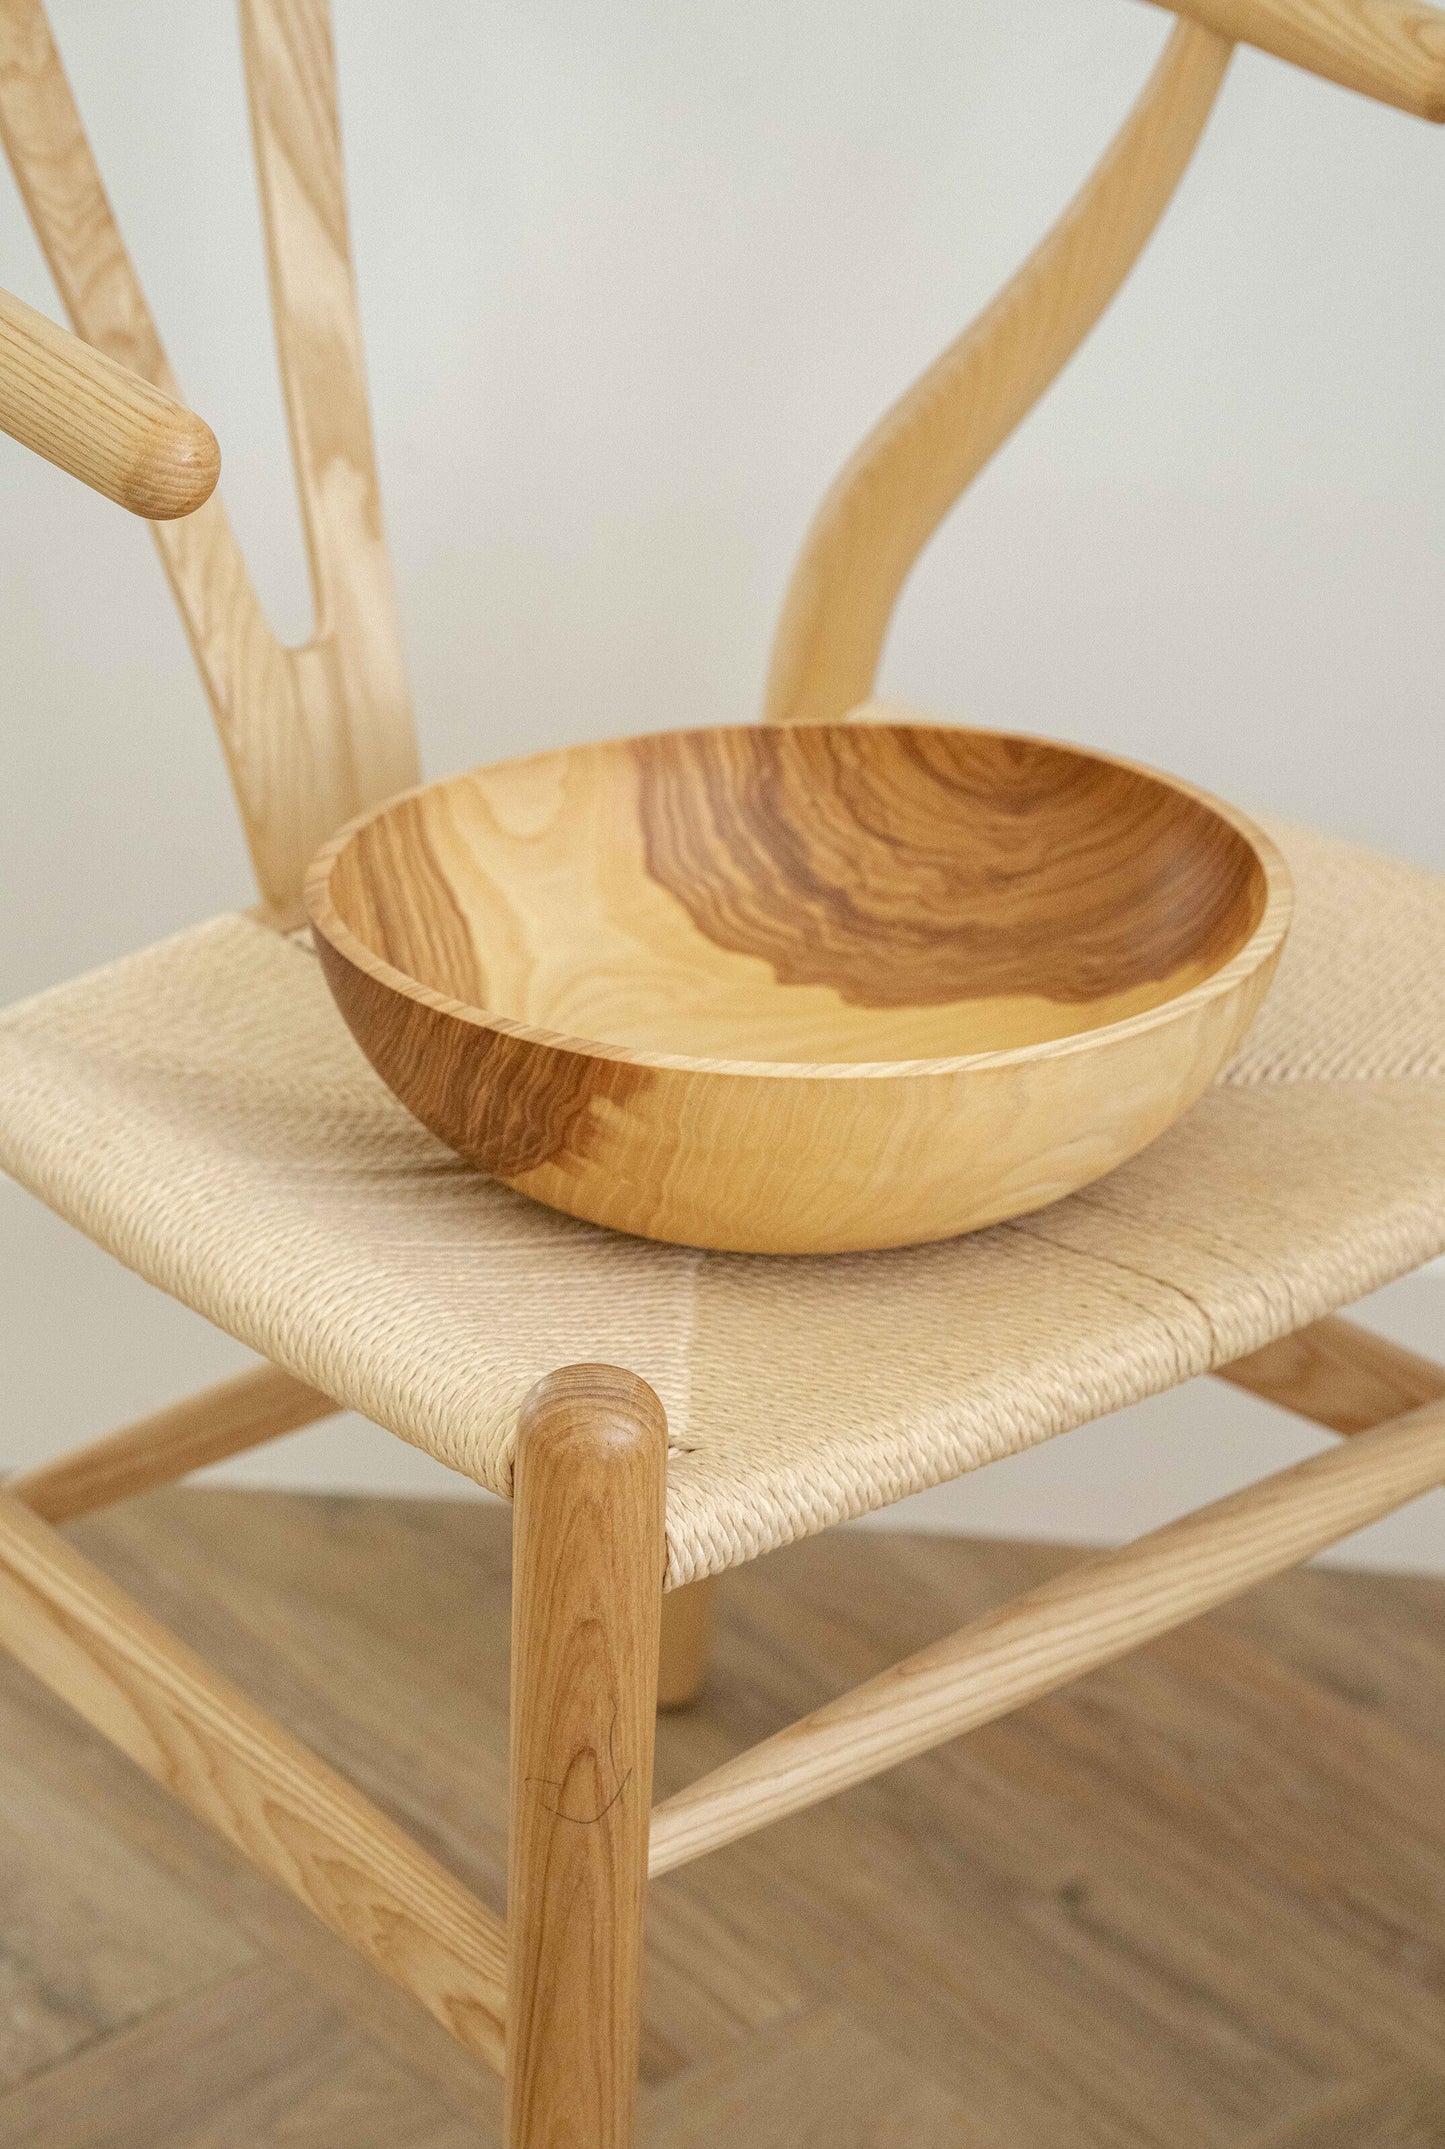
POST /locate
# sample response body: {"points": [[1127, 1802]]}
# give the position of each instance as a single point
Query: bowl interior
{"points": [[826, 893]]}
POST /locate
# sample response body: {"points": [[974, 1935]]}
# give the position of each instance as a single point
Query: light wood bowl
{"points": [[800, 989]]}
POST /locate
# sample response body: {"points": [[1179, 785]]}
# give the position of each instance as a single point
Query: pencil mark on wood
{"points": [[556, 1805], [583, 1760]]}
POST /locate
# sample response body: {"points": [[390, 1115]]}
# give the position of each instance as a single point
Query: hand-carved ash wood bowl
{"points": [[800, 989]]}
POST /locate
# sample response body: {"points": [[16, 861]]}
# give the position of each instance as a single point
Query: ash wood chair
{"points": [[657, 1415]]}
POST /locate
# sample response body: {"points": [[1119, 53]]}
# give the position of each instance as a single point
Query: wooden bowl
{"points": [[800, 989]]}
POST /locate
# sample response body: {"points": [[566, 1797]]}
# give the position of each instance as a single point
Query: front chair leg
{"points": [[588, 1557]]}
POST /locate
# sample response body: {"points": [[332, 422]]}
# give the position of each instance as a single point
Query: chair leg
{"points": [[687, 1616], [588, 1557]]}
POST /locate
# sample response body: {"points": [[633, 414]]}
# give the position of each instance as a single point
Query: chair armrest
{"points": [[100, 421]]}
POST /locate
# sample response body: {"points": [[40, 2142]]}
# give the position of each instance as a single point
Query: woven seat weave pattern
{"points": [[200, 1110]]}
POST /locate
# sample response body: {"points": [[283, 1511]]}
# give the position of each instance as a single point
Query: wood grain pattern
{"points": [[820, 2082], [258, 1405], [922, 868], [311, 735], [1396, 2111], [92, 1936], [899, 485], [378, 1631], [1167, 1908], [803, 989], [1402, 2110], [178, 1720], [1338, 1374], [589, 1555], [1087, 1617], [103, 424], [353, 663], [67, 1760], [255, 2060], [1390, 49]]}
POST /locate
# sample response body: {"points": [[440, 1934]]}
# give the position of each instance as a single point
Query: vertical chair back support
{"points": [[314, 734], [311, 734]]}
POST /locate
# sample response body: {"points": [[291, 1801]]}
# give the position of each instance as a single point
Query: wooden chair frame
{"points": [[550, 1998]]}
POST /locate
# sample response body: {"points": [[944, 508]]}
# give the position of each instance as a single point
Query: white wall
{"points": [[634, 281]]}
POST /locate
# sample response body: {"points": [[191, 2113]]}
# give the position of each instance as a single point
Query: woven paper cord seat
{"points": [[200, 1110]]}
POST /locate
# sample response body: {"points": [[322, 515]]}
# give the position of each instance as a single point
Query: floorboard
{"points": [[1402, 2112], [1196, 1901]]}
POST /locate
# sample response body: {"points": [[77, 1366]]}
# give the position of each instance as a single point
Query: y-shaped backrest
{"points": [[314, 734], [311, 734], [890, 498]]}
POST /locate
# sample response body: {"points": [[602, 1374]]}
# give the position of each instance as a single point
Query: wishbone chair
{"points": [[656, 1414]]}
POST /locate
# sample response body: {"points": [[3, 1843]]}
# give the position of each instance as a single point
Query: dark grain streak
{"points": [[494, 1098], [910, 868]]}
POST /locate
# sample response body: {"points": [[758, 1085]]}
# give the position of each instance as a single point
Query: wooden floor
{"points": [[1197, 1899]]}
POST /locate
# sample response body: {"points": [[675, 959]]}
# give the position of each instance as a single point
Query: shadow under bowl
{"points": [[800, 989]]}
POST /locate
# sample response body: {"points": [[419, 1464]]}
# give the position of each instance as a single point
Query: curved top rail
{"points": [[1390, 49], [100, 421], [311, 735], [902, 481]]}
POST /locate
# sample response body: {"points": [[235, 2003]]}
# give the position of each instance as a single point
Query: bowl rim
{"points": [[1262, 945]]}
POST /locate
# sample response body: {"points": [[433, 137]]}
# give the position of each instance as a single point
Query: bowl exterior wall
{"points": [[791, 1164]]}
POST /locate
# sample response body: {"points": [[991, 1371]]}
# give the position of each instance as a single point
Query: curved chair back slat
{"points": [[896, 490], [314, 734], [890, 498]]}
